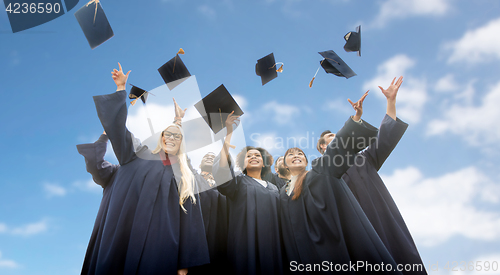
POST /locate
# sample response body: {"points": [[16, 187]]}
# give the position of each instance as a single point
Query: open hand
{"points": [[392, 91]]}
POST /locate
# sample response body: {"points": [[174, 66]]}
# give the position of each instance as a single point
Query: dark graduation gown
{"points": [[253, 237], [326, 223], [103, 174], [214, 211], [145, 231], [275, 179], [376, 201]]}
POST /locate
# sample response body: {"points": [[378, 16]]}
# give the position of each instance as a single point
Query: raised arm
{"points": [[179, 113], [222, 168], [391, 94], [224, 153], [352, 138], [112, 111], [391, 129]]}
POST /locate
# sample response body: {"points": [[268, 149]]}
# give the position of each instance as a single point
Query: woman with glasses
{"points": [[153, 224]]}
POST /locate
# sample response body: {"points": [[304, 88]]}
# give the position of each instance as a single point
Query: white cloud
{"points": [[436, 209], [25, 230], [7, 263], [413, 92], [476, 124], [446, 83], [338, 106], [478, 45], [88, 186], [207, 11], [398, 9], [54, 190], [282, 114], [31, 229]]}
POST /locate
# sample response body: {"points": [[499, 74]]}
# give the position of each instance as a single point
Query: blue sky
{"points": [[443, 174]]}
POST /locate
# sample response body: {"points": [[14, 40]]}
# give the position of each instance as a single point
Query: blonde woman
{"points": [[153, 223]]}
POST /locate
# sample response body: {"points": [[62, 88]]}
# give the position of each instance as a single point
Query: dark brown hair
{"points": [[266, 157], [297, 190]]}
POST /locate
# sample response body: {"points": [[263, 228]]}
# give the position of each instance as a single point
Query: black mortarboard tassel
{"points": [[333, 64], [94, 23], [266, 68], [353, 41], [216, 107], [136, 93]]}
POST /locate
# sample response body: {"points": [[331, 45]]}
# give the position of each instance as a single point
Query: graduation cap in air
{"points": [[136, 93], [353, 41], [216, 107], [266, 68], [174, 72], [333, 64], [94, 23]]}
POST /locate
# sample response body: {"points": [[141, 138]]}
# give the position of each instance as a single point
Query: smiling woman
{"points": [[253, 238], [320, 218], [151, 223]]}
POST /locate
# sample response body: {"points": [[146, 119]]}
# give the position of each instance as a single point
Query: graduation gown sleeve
{"points": [[103, 174], [376, 201], [112, 112], [391, 131], [100, 169], [145, 231], [325, 224], [341, 151]]}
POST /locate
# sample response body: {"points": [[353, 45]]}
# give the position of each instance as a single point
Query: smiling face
{"points": [[207, 162], [253, 160], [171, 140], [295, 160]]}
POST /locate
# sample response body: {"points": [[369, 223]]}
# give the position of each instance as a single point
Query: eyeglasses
{"points": [[168, 134]]}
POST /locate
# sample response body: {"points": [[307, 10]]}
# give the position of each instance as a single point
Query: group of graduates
{"points": [[158, 215]]}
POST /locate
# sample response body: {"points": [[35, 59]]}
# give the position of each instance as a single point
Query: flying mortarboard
{"points": [[353, 41], [136, 93], [216, 107], [266, 68], [174, 72], [94, 23], [333, 64]]}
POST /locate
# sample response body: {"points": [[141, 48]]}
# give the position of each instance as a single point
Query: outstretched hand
{"points": [[120, 78], [230, 120], [358, 106], [178, 110], [392, 91]]}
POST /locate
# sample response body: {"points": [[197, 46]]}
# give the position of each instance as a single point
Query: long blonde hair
{"points": [[186, 187]]}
